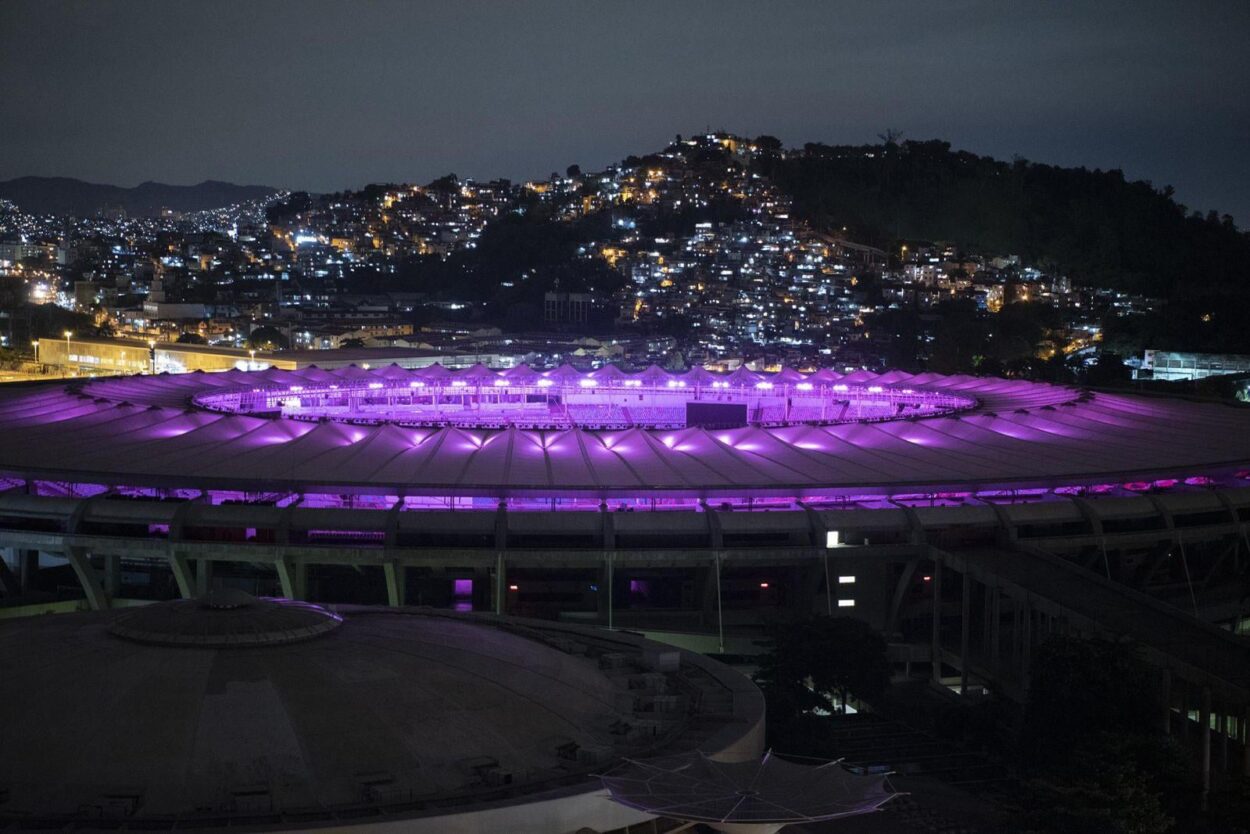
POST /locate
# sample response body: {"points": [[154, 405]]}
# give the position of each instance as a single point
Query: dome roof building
{"points": [[278, 715]]}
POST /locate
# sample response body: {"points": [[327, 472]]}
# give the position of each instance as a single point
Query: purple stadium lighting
{"points": [[474, 438], [569, 399]]}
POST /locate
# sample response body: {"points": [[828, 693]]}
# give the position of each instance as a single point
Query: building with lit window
{"points": [[1171, 365]]}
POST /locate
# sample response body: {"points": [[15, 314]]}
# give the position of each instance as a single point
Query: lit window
{"points": [[846, 580], [846, 603], [833, 538]]}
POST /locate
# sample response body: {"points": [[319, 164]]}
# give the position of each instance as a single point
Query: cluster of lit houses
{"points": [[714, 264]]}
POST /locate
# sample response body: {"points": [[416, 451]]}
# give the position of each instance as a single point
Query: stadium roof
{"points": [[143, 431]]}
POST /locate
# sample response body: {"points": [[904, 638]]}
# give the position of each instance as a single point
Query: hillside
{"points": [[1094, 225], [64, 195]]}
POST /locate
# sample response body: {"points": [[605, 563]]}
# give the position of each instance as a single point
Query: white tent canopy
{"points": [[753, 796]]}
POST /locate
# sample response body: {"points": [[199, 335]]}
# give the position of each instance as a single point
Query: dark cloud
{"points": [[326, 95]]}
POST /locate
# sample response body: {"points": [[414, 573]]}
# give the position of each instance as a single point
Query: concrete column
{"points": [[27, 567], [396, 589], [936, 641], [293, 578], [91, 586], [1224, 722], [996, 627], [720, 611], [1017, 626], [203, 576], [607, 576], [987, 616], [500, 585], [1026, 643], [113, 575], [1245, 743], [828, 586], [711, 588], [1165, 686], [1184, 699], [965, 631], [12, 583], [1204, 725], [181, 568], [807, 579]]}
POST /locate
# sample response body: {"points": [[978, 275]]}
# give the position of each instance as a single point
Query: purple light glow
{"points": [[609, 398], [835, 442]]}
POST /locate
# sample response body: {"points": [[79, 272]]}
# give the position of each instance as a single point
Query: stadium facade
{"points": [[603, 491]]}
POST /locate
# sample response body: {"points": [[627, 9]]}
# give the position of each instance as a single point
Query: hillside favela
{"points": [[717, 251], [530, 420]]}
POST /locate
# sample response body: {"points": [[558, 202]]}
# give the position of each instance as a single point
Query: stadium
{"points": [[964, 517], [480, 471]]}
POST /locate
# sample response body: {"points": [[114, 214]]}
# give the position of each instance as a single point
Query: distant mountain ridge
{"points": [[66, 195]]}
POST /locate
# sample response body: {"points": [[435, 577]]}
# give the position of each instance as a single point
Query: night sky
{"points": [[330, 95]]}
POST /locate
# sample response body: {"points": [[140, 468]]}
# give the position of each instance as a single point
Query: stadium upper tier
{"points": [[564, 434], [608, 398]]}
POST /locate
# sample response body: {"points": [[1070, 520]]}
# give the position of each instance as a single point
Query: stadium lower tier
{"points": [[655, 567]]}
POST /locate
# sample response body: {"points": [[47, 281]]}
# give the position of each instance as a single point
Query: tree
{"points": [[1016, 331], [446, 184], [815, 664], [267, 338], [573, 171], [959, 338], [1091, 743], [1079, 688], [189, 338], [1102, 793], [353, 342], [1109, 370], [768, 144]]}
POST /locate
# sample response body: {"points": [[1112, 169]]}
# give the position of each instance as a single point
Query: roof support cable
{"points": [[1188, 579]]}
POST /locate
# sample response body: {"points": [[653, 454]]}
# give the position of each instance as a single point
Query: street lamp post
{"points": [[251, 361], [68, 365], [152, 353]]}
